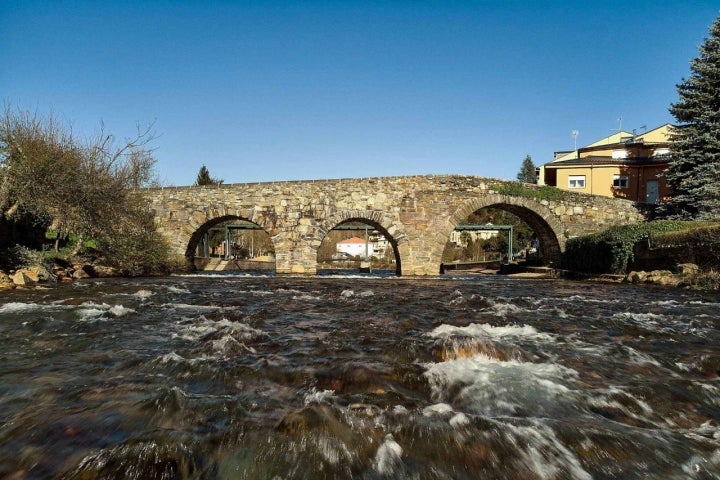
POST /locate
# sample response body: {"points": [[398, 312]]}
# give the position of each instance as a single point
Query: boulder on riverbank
{"points": [[685, 275], [25, 277], [654, 277], [58, 272], [6, 282]]}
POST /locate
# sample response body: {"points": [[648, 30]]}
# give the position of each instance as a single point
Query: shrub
{"points": [[174, 264], [610, 251], [18, 256], [708, 280]]}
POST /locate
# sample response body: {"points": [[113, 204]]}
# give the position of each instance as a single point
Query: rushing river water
{"points": [[269, 377]]}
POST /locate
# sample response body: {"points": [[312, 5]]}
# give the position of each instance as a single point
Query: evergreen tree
{"points": [[527, 172], [204, 178], [694, 170]]}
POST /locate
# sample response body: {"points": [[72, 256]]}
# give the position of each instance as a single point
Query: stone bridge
{"points": [[415, 213]]}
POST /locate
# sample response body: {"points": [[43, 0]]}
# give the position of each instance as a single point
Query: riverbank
{"points": [[34, 275], [688, 276]]}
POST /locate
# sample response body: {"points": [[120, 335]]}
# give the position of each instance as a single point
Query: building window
{"points": [[620, 181], [576, 181]]}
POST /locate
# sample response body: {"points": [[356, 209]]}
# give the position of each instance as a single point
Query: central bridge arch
{"points": [[538, 217]]}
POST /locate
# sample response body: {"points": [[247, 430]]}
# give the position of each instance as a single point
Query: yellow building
{"points": [[624, 165]]}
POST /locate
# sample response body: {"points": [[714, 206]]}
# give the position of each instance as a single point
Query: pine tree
{"points": [[204, 178], [693, 173], [527, 172]]}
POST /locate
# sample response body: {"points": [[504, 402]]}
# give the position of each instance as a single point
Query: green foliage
{"points": [[494, 247], [518, 189], [527, 173], [693, 173], [612, 250], [68, 246], [71, 238], [521, 230]]}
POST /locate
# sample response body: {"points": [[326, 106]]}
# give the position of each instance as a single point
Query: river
{"points": [[342, 377]]}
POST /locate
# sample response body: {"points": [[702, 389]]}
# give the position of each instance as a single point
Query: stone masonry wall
{"points": [[416, 212]]}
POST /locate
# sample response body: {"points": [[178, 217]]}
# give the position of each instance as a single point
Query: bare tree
{"points": [[82, 186], [40, 162]]}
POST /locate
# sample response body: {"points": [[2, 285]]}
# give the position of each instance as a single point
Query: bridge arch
{"points": [[213, 218], [548, 228], [379, 221]]}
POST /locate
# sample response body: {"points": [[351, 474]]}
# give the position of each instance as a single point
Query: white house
{"points": [[355, 247]]}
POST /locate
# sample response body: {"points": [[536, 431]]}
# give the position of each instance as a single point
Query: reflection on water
{"points": [[357, 377]]}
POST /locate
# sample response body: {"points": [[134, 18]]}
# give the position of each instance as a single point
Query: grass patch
{"points": [[541, 192], [698, 234]]}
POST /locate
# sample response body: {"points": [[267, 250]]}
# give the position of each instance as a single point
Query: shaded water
{"points": [[284, 378]]}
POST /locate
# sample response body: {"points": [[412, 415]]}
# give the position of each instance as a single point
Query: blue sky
{"points": [[271, 90]]}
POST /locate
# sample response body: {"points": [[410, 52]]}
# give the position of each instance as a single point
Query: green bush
{"points": [[136, 251], [612, 250]]}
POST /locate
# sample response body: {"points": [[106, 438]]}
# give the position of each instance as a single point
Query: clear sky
{"points": [[285, 90]]}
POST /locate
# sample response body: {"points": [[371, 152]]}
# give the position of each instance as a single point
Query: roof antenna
{"points": [[574, 134], [635, 134], [619, 130]]}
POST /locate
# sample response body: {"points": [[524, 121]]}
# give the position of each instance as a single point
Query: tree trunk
{"points": [[78, 245], [58, 235]]}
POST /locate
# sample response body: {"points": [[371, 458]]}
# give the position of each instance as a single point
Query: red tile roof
{"points": [[353, 240]]}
